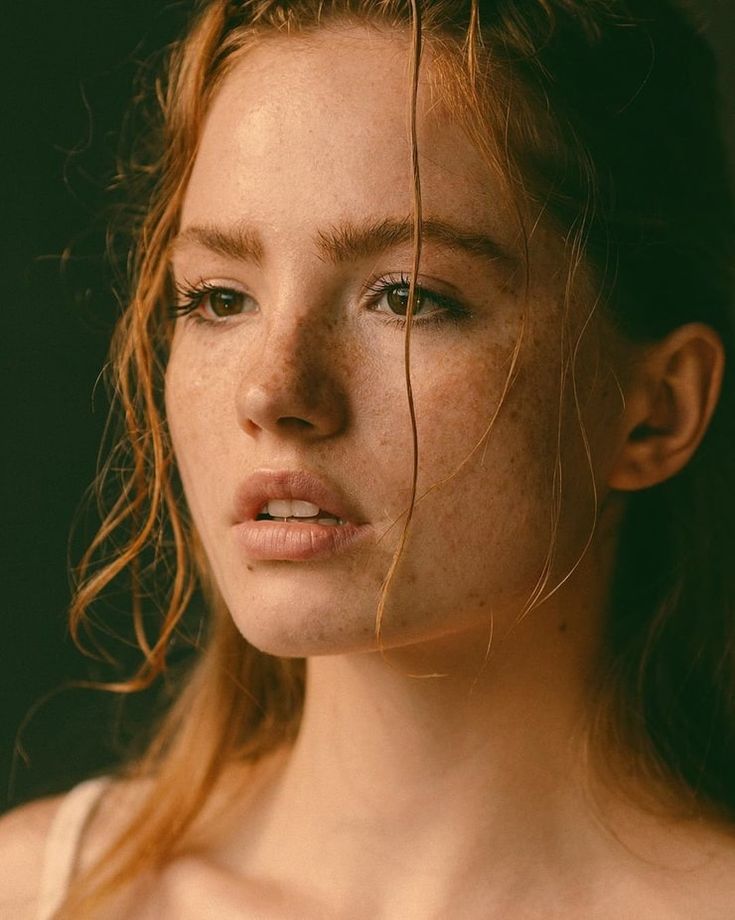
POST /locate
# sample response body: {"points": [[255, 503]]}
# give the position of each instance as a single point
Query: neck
{"points": [[400, 728], [398, 774]]}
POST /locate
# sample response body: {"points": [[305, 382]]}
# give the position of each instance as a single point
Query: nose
{"points": [[291, 387]]}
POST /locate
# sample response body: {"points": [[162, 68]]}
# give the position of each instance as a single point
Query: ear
{"points": [[669, 405]]}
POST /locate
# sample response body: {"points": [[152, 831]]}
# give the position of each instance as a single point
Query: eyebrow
{"points": [[234, 242], [349, 241]]}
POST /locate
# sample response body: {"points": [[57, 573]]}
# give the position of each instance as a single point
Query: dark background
{"points": [[67, 77]]}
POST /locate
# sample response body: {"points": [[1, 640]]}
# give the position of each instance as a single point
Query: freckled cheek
{"points": [[501, 459], [374, 384], [198, 409], [457, 399], [194, 391]]}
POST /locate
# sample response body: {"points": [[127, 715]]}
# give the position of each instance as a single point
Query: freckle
{"points": [[481, 604], [562, 627], [250, 568]]}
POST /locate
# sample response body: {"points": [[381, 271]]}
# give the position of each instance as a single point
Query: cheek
{"points": [[199, 408], [503, 472], [477, 409]]}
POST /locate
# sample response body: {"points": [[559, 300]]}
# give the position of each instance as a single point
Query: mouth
{"points": [[294, 515]]}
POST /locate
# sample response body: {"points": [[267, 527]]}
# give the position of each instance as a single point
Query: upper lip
{"points": [[263, 485]]}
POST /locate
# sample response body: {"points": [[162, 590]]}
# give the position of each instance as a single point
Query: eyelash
{"points": [[191, 298]]}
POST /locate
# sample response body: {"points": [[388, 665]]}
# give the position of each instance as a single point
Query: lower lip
{"points": [[277, 540]]}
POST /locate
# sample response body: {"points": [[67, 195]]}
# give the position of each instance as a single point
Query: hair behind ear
{"points": [[670, 677]]}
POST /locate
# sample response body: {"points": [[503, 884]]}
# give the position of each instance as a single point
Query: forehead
{"points": [[309, 128]]}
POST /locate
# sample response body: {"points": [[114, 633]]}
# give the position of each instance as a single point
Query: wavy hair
{"points": [[601, 118]]}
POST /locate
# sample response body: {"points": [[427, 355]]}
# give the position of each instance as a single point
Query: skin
{"points": [[311, 375], [447, 776]]}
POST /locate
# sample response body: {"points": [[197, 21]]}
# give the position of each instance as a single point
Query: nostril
{"points": [[292, 421], [285, 405]]}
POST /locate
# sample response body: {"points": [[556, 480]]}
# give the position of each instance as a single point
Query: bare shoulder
{"points": [[23, 834], [114, 811], [25, 830]]}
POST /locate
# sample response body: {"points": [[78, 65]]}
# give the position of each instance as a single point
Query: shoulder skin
{"points": [[23, 834]]}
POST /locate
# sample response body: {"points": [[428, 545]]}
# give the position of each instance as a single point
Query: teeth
{"points": [[285, 508], [288, 509]]}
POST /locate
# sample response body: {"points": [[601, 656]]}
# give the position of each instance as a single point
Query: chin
{"points": [[293, 628]]}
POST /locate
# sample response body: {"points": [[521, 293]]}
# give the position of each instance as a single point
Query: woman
{"points": [[432, 308]]}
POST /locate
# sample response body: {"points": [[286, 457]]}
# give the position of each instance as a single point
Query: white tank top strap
{"points": [[63, 843]]}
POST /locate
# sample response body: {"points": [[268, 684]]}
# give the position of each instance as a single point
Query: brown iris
{"points": [[397, 300], [224, 302]]}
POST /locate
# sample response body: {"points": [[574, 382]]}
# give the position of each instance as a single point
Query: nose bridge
{"points": [[291, 381], [296, 344]]}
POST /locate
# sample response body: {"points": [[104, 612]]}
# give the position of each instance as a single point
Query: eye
{"points": [[212, 302], [391, 297], [397, 298], [224, 302]]}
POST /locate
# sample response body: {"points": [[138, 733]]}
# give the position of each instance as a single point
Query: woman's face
{"points": [[286, 381]]}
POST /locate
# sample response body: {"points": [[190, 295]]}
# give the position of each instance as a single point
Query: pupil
{"points": [[398, 301], [224, 303]]}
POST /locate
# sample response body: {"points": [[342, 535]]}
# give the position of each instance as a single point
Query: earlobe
{"points": [[669, 407]]}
